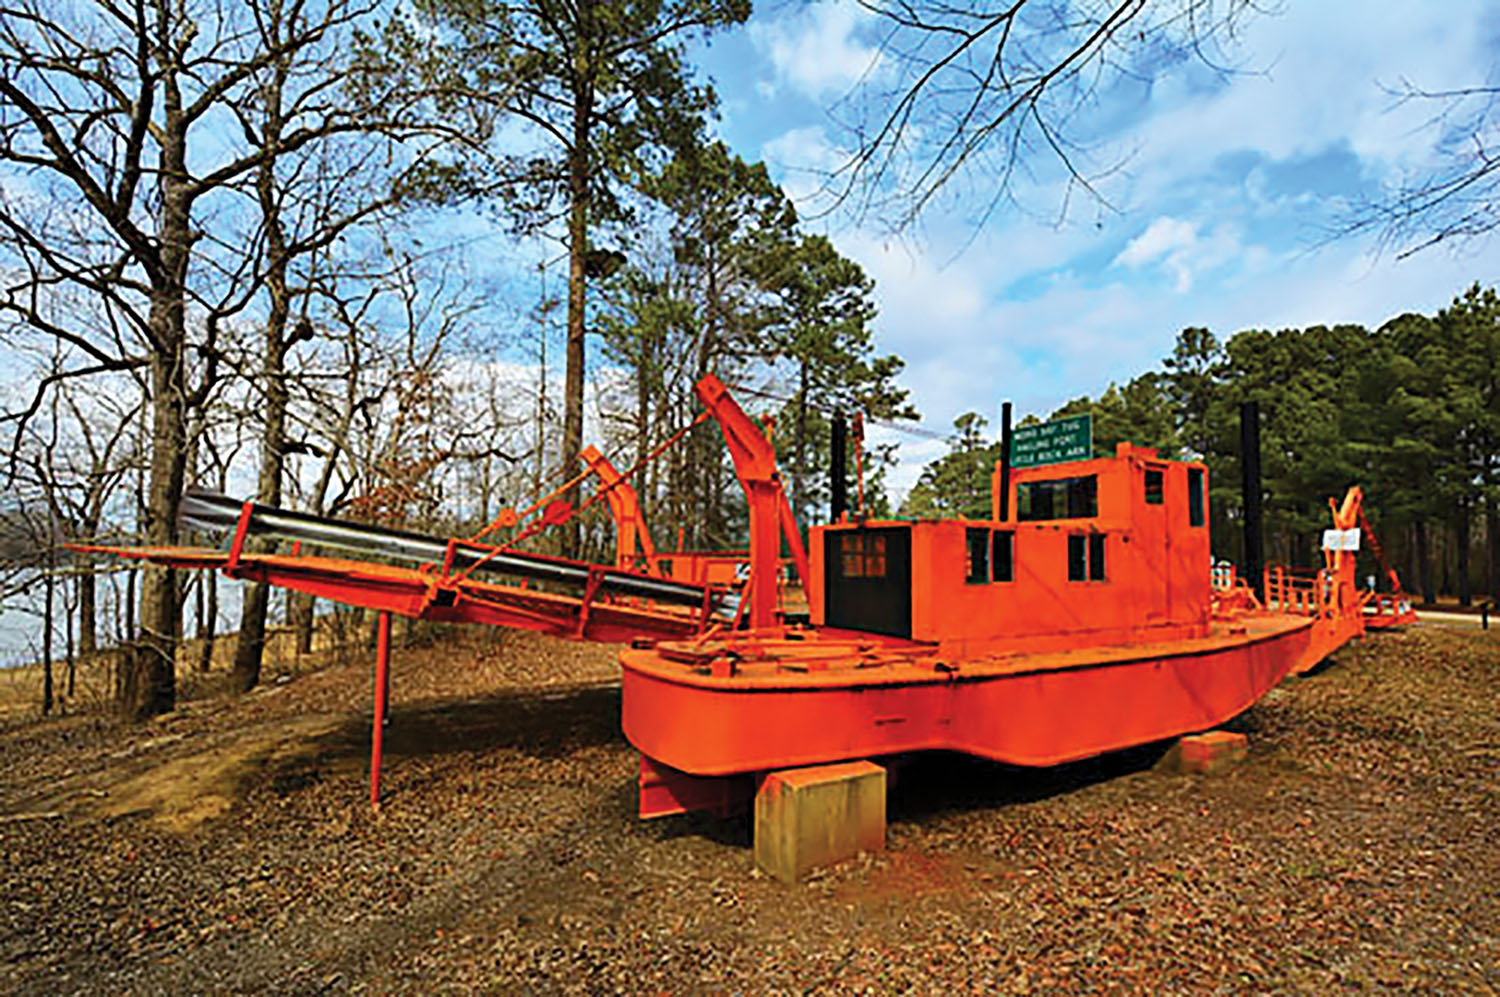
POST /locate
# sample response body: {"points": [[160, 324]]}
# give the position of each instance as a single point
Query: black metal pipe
{"points": [[1250, 471], [838, 492], [212, 512], [1005, 463]]}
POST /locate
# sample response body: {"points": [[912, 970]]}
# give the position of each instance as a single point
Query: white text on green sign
{"points": [[1053, 442]]}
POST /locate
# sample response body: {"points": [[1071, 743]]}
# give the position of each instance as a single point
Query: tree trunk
{"points": [[1461, 536], [72, 657], [1424, 563], [578, 244], [1410, 576], [150, 688], [1444, 559], [1492, 539], [249, 648], [801, 460], [127, 633], [88, 633], [645, 363], [304, 609], [208, 624], [47, 599]]}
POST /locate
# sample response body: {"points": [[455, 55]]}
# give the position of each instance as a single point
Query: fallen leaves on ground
{"points": [[1355, 847]]}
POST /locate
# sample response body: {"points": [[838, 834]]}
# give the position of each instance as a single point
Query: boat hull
{"points": [[1034, 710]]}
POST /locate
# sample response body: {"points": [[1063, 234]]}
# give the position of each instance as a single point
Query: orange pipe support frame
{"points": [[631, 534], [770, 514], [382, 702]]}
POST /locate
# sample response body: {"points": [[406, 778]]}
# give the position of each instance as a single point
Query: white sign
{"points": [[1341, 539]]}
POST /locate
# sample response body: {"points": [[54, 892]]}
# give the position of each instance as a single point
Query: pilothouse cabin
{"points": [[1112, 550]]}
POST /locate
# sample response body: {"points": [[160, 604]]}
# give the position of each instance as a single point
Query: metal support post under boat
{"points": [[1250, 472], [1005, 463], [382, 701], [838, 495]]}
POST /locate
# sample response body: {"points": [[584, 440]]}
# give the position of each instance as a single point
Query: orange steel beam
{"points": [[770, 513], [625, 508], [425, 593]]}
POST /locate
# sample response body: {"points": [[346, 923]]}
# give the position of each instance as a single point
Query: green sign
{"points": [[1053, 442]]}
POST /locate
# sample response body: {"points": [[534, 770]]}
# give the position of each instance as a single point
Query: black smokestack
{"points": [[1250, 468], [1005, 463], [838, 497]]}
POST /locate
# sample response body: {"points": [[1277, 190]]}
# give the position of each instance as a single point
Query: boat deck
{"points": [[791, 658]]}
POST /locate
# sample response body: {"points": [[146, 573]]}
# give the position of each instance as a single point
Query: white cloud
{"points": [[1163, 237], [804, 159], [1181, 250], [802, 149], [816, 50]]}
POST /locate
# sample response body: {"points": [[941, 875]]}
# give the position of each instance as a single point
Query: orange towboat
{"points": [[1088, 621]]}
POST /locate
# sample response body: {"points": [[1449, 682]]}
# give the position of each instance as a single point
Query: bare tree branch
{"points": [[966, 91]]}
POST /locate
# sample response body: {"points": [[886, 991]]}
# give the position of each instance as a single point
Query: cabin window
{"points": [[977, 561], [1077, 557], [1195, 496], [1002, 556], [1086, 557], [1153, 485], [862, 555], [1063, 498], [1096, 557]]}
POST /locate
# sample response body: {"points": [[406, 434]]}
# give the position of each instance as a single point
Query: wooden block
{"points": [[1206, 753], [805, 818]]}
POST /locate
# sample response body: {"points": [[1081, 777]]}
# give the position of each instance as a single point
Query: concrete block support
{"points": [[817, 816], [1207, 753]]}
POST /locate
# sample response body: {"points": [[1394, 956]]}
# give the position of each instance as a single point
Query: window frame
{"points": [[1010, 555], [1158, 476], [976, 555], [1097, 571], [865, 551], [1087, 558], [1197, 482], [1077, 495]]}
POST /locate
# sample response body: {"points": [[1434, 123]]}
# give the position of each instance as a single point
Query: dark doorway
{"points": [[867, 582]]}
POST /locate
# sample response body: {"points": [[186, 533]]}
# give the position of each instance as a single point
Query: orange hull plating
{"points": [[1036, 709]]}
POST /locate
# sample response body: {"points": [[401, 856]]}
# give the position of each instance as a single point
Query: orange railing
{"points": [[1311, 593]]}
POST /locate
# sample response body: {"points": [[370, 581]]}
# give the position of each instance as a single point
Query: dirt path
{"points": [[229, 849], [1467, 621]]}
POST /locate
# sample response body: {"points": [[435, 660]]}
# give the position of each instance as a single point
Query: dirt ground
{"points": [[229, 847]]}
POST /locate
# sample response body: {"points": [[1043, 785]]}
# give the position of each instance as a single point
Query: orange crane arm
{"points": [[625, 508], [770, 514]]}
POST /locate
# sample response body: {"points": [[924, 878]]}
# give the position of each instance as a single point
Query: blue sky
{"points": [[1219, 215]]}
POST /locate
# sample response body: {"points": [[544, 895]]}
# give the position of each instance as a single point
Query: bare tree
{"points": [[977, 92], [98, 462], [118, 138], [28, 562], [306, 203], [1457, 195]]}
